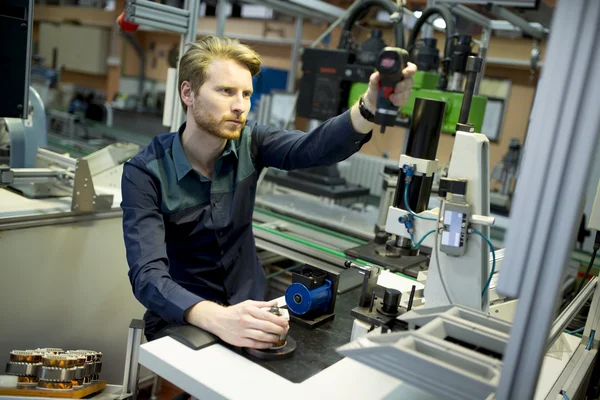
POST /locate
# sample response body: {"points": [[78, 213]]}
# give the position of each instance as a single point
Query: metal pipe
{"points": [[517, 21], [158, 16], [424, 133], [142, 78], [423, 140], [157, 25], [483, 48], [55, 158], [561, 322], [427, 29], [471, 15], [25, 173], [221, 17], [473, 67], [161, 7], [291, 78]]}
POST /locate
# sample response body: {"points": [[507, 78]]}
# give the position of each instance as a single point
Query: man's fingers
{"points": [[405, 85], [265, 326], [374, 81], [409, 70], [400, 99], [267, 316], [261, 304], [261, 336], [254, 344]]}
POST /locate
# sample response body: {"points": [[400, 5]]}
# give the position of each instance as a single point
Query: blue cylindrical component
{"points": [[302, 301]]}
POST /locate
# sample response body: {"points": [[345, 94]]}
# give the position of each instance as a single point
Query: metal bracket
{"points": [[132, 367], [85, 198]]}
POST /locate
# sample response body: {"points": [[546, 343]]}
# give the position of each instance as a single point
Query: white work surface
{"points": [[215, 372]]}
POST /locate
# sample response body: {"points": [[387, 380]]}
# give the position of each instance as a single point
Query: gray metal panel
{"points": [[563, 131]]}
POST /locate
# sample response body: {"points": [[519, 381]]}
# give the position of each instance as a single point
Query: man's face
{"points": [[223, 101]]}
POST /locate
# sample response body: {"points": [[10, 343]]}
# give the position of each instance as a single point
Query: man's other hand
{"points": [[245, 324], [401, 92]]}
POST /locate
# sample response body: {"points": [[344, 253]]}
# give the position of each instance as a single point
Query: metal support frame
{"points": [[291, 78], [132, 367], [517, 21], [561, 322], [221, 16], [564, 127], [309, 9]]}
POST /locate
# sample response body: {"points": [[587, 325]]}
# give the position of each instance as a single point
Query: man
{"points": [[188, 197]]}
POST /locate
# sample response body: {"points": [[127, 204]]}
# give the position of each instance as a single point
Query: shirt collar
{"points": [[182, 165]]}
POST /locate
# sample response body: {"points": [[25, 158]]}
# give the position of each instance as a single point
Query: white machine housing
{"points": [[464, 276]]}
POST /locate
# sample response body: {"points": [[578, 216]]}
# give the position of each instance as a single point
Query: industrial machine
{"points": [[311, 296], [333, 80], [328, 75]]}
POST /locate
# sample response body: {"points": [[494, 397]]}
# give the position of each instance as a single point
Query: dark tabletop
{"points": [[315, 348]]}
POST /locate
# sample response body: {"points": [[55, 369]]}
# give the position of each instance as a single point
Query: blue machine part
{"points": [[302, 301]]}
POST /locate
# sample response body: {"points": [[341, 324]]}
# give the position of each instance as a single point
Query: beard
{"points": [[214, 126]]}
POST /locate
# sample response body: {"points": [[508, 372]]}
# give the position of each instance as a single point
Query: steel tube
{"points": [[291, 79], [161, 7], [473, 66], [157, 25], [561, 322], [221, 17], [157, 16], [423, 140]]}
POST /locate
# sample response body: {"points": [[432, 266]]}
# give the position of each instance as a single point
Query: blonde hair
{"points": [[194, 63]]}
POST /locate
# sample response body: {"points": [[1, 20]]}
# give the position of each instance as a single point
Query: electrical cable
{"points": [[391, 8], [446, 15], [487, 284], [576, 331], [565, 395], [416, 245], [437, 256], [589, 346], [408, 207]]}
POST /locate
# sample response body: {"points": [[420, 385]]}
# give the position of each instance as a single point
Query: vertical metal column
{"points": [[291, 78], [221, 17], [193, 6], [132, 367], [562, 136], [427, 30]]}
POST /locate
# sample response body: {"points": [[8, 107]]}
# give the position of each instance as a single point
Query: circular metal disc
{"points": [[278, 354]]}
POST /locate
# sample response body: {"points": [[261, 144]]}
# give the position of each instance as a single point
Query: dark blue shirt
{"points": [[189, 238]]}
